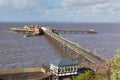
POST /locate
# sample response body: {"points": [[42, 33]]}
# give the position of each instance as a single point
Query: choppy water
{"points": [[34, 51]]}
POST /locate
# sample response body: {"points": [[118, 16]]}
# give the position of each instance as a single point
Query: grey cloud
{"points": [[24, 4], [3, 3], [81, 2], [110, 8], [62, 11], [21, 4]]}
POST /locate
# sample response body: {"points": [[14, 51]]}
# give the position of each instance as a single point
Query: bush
{"points": [[115, 67], [88, 75]]}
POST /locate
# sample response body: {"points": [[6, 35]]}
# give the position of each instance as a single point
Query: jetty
{"points": [[71, 48], [91, 31]]}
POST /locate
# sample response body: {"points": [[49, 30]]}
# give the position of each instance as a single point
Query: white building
{"points": [[63, 67]]}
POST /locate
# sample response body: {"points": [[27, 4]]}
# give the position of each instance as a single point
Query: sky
{"points": [[59, 10]]}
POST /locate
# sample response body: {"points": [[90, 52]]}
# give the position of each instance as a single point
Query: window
{"points": [[66, 68], [60, 69], [72, 68], [76, 67]]}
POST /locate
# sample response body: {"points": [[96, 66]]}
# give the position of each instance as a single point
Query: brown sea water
{"points": [[35, 51]]}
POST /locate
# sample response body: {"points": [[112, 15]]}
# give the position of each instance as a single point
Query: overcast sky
{"points": [[59, 10]]}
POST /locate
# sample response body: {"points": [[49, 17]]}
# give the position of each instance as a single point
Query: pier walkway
{"points": [[72, 48]]}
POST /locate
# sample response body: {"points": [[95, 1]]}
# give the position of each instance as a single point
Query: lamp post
{"points": [[22, 71]]}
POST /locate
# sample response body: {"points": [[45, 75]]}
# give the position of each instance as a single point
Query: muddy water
{"points": [[16, 49]]}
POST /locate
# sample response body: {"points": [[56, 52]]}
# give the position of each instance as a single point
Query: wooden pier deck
{"points": [[72, 48]]}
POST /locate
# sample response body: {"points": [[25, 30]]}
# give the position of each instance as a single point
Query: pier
{"points": [[74, 31], [73, 49]]}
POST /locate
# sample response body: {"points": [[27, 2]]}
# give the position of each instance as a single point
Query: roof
{"points": [[63, 62]]}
